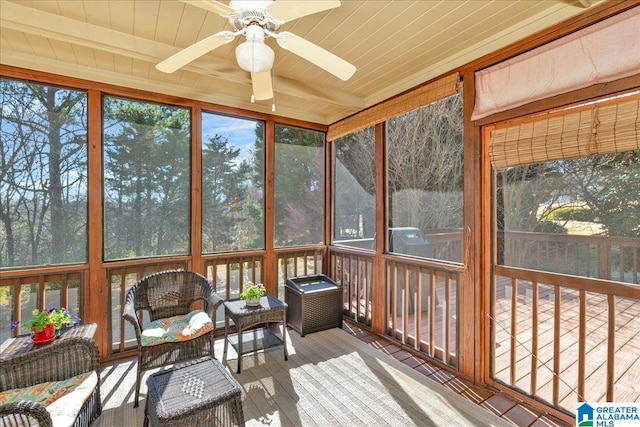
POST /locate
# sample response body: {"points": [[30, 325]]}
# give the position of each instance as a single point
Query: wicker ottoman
{"points": [[314, 303], [196, 394]]}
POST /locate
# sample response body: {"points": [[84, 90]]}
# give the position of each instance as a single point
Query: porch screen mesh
{"points": [[432, 92], [610, 126]]}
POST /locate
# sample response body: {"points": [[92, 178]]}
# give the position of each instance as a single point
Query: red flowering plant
{"points": [[58, 317]]}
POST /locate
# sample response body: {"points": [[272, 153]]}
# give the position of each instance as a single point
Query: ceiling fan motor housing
{"points": [[248, 12]]}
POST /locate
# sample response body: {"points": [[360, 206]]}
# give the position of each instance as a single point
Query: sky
{"points": [[240, 132]]}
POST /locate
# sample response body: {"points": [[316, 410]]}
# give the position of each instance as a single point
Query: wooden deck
{"points": [[559, 346], [532, 330], [278, 407]]}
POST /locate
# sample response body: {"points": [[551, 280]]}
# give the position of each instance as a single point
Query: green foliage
{"points": [[571, 213], [147, 179], [549, 227], [610, 186], [299, 186], [232, 186], [252, 290], [58, 317], [4, 295]]}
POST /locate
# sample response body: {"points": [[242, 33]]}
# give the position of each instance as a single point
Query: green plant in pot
{"points": [[44, 324], [252, 293]]}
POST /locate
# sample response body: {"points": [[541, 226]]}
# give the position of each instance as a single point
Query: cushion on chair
{"points": [[177, 328], [62, 399]]}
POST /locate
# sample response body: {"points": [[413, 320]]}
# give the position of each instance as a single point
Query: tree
{"points": [[610, 185], [43, 180], [147, 179], [222, 194], [299, 186], [425, 165], [354, 177], [526, 196]]}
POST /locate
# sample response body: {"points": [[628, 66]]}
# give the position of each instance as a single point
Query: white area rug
{"points": [[334, 379]]}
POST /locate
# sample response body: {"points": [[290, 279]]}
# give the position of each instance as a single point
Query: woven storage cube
{"points": [[199, 393], [314, 303]]}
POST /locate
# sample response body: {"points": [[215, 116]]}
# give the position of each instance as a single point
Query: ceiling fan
{"points": [[256, 20]]}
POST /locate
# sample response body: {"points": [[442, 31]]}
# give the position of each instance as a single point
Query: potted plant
{"points": [[46, 324], [252, 293]]}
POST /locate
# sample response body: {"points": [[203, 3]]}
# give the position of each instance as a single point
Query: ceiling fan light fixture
{"points": [[253, 55]]}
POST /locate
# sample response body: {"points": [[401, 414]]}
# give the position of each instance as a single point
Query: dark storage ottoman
{"points": [[314, 303]]}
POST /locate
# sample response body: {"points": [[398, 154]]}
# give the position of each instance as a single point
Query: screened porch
{"points": [[493, 240]]}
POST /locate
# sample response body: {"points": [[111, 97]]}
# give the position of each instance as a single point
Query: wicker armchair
{"points": [[58, 361], [164, 295]]}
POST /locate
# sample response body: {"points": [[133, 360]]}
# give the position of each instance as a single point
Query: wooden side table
{"points": [[270, 310], [22, 343]]}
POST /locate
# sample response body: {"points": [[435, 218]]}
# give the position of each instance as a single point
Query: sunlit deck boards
{"points": [[119, 379], [331, 378], [530, 328], [554, 328]]}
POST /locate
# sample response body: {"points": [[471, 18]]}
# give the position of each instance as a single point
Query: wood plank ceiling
{"points": [[395, 45]]}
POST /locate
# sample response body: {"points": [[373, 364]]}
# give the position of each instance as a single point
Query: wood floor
{"points": [[118, 380]]}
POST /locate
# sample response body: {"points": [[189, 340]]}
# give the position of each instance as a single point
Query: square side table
{"points": [[270, 310]]}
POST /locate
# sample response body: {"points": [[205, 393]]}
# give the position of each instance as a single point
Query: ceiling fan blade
{"points": [[316, 55], [211, 6], [262, 88], [288, 10], [194, 51]]}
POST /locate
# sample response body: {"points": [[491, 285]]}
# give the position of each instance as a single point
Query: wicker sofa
{"points": [[170, 296], [52, 367]]}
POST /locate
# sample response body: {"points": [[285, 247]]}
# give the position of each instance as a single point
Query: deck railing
{"points": [[422, 307], [565, 315], [230, 273], [612, 258], [295, 262], [564, 339], [556, 336], [447, 245], [20, 295], [354, 271]]}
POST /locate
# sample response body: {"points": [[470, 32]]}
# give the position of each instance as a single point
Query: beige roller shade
{"points": [[603, 52], [607, 127], [434, 91]]}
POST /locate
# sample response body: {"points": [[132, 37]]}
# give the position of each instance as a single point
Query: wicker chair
{"points": [[164, 295], [58, 361]]}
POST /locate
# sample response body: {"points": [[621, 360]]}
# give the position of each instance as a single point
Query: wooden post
{"points": [[378, 314]]}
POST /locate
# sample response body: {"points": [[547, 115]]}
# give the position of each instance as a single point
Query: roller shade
{"points": [[432, 92], [611, 126], [603, 52]]}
